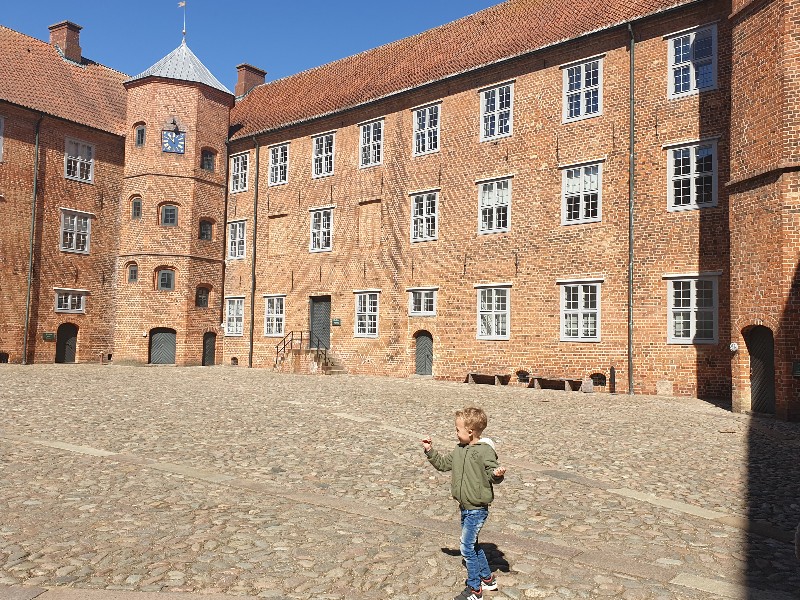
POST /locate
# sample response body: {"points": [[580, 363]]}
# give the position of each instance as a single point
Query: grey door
{"points": [[209, 349], [761, 346], [424, 356], [162, 346], [320, 318], [66, 343]]}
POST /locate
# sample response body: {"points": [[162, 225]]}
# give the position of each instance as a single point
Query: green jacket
{"points": [[472, 467]]}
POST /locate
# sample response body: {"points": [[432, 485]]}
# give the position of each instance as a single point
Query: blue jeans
{"points": [[477, 565]]}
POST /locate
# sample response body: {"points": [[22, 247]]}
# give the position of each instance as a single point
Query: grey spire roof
{"points": [[183, 65]]}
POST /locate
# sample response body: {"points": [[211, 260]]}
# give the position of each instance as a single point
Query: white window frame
{"points": [[692, 308], [279, 164], [69, 300], [81, 161], [692, 175], [490, 200], [690, 35], [237, 240], [274, 317], [581, 89], [426, 136], [317, 231], [420, 223], [584, 193], [240, 163], [481, 309], [322, 160], [494, 115], [234, 320], [581, 310], [432, 291], [366, 313], [2, 135], [77, 235], [370, 150]]}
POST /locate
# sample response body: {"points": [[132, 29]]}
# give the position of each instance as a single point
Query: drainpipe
{"points": [[32, 234], [631, 175], [253, 260]]}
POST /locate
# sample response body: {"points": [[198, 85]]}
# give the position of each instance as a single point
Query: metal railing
{"points": [[299, 339]]}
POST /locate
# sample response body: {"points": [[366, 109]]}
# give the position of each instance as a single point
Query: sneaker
{"points": [[489, 585], [469, 594]]}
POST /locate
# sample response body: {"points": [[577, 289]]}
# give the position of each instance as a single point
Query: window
{"points": [[366, 314], [494, 205], [580, 198], [424, 211], [239, 173], [133, 273], [136, 208], [583, 90], [321, 230], [208, 160], [201, 297], [426, 129], [323, 155], [2, 136], [371, 143], [693, 176], [422, 302], [496, 111], [169, 215], [165, 280], [234, 316], [75, 231], [79, 161], [580, 312], [274, 315], [279, 164], [493, 313], [139, 136], [206, 230], [693, 311], [236, 239], [693, 61], [70, 301]]}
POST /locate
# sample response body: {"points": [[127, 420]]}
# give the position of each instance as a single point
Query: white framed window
{"points": [[321, 229], [422, 301], [692, 176], [583, 89], [693, 310], [76, 230], [165, 280], [79, 161], [322, 158], [70, 301], [424, 216], [426, 129], [692, 61], [581, 193], [236, 239], [274, 315], [372, 143], [366, 321], [279, 164], [239, 173], [580, 311], [234, 316], [494, 206], [497, 106], [2, 135], [494, 312]]}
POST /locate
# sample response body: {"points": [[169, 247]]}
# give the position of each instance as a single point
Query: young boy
{"points": [[475, 468]]}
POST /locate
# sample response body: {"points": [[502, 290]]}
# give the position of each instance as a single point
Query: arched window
{"points": [[139, 134], [206, 230], [201, 297], [133, 272], [169, 215], [208, 159], [136, 207], [165, 280]]}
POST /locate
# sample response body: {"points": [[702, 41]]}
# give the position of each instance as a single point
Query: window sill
{"points": [[370, 165], [422, 314], [494, 138], [580, 340], [71, 251], [691, 207], [323, 175], [320, 250], [581, 222], [79, 180], [565, 121], [70, 312], [690, 93], [494, 338], [494, 231], [238, 191], [274, 335], [428, 153], [236, 258], [371, 336], [689, 343], [277, 183], [424, 240]]}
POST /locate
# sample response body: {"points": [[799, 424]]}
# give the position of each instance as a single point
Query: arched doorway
{"points": [[209, 349], [761, 347], [66, 343], [424, 354], [162, 346]]}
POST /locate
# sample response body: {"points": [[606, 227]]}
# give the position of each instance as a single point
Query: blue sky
{"points": [[281, 37]]}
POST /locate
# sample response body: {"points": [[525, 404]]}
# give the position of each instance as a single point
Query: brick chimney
{"points": [[67, 36], [249, 77]]}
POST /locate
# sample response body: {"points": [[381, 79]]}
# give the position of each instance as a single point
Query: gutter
{"points": [[253, 260], [32, 235], [631, 190]]}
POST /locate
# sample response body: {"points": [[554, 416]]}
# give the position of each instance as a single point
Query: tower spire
{"points": [[183, 6]]}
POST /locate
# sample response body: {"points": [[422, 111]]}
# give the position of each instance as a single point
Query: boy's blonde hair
{"points": [[474, 418]]}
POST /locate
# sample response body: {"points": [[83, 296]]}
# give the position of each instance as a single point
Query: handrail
{"points": [[314, 343]]}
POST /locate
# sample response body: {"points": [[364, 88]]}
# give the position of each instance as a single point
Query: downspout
{"points": [[631, 183], [32, 234], [253, 259]]}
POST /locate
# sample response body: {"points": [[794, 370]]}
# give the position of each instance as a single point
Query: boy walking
{"points": [[475, 468]]}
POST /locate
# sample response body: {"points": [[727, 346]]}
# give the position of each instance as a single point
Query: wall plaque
{"points": [[49, 336], [336, 322]]}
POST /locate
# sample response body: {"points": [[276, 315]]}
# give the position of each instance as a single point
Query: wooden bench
{"points": [[488, 379], [569, 384]]}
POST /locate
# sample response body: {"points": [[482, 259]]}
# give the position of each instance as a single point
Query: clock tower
{"points": [[169, 271]]}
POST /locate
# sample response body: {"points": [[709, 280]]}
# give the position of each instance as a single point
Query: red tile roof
{"points": [[33, 74], [509, 29]]}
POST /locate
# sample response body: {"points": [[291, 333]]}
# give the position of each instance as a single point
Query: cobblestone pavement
{"points": [[246, 482]]}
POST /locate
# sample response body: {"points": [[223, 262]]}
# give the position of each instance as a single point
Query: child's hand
{"points": [[499, 471], [427, 444]]}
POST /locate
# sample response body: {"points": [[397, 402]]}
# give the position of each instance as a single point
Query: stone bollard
{"points": [[587, 386]]}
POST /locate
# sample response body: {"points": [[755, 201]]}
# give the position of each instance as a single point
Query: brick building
{"points": [[607, 194]]}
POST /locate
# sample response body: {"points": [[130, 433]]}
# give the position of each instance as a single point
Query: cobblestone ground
{"points": [[247, 482]]}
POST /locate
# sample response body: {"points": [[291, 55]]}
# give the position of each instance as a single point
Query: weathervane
{"points": [[183, 6]]}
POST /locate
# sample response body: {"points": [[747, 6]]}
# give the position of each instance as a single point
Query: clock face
{"points": [[173, 142]]}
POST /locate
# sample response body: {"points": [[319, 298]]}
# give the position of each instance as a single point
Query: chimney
{"points": [[67, 36], [249, 77]]}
